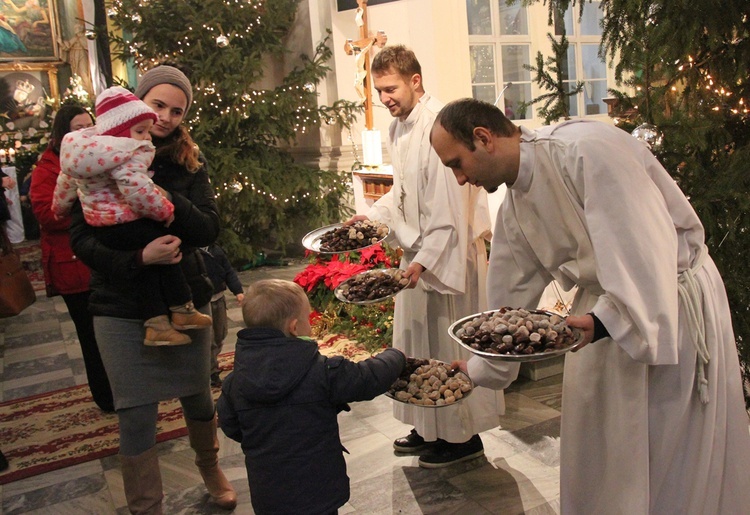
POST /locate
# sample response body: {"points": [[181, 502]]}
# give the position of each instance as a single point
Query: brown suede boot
{"points": [[187, 317], [160, 332], [202, 436], [141, 478]]}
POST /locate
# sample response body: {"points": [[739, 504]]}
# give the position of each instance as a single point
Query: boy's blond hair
{"points": [[273, 303]]}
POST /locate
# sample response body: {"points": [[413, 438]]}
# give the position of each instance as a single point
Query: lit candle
{"points": [[2, 155], [12, 155]]}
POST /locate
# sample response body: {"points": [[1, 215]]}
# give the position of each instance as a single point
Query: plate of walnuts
{"points": [[338, 238], [371, 286], [430, 383], [509, 334]]}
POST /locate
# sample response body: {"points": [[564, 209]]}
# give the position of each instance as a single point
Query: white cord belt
{"points": [[691, 297]]}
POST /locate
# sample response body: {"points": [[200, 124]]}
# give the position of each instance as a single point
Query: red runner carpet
{"points": [[59, 429]]}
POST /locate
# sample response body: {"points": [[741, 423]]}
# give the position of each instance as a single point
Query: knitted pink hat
{"points": [[117, 110]]}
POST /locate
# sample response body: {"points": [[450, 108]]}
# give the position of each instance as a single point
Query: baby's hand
{"points": [[169, 220]]}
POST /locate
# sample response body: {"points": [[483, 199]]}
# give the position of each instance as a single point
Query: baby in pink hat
{"points": [[106, 168]]}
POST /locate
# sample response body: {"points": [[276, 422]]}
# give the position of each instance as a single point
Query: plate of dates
{"points": [[372, 286], [338, 238], [430, 383], [509, 334]]}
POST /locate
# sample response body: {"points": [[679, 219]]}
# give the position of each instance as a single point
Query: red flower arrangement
{"points": [[370, 325]]}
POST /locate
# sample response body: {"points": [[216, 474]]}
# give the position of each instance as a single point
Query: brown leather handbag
{"points": [[16, 291]]}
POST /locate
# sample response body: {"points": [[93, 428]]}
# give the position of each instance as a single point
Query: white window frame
{"points": [[536, 39]]}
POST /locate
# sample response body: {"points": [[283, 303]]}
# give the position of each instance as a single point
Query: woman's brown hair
{"points": [[180, 148]]}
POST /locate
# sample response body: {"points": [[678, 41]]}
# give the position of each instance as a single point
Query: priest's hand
{"points": [[586, 324], [412, 272]]}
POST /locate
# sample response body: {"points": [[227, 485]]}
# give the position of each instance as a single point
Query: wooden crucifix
{"points": [[361, 48]]}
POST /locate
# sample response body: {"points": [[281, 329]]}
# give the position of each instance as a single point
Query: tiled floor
{"points": [[519, 473]]}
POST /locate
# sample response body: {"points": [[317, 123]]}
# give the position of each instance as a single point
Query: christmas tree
{"points": [[244, 129], [685, 68]]}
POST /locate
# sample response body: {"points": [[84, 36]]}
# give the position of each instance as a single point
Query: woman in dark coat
{"points": [[64, 273], [142, 376]]}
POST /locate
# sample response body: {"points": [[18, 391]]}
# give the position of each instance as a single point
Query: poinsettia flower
{"points": [[310, 276], [338, 271], [374, 255]]}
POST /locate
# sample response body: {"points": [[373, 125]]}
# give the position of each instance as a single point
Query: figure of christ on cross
{"points": [[361, 48]]}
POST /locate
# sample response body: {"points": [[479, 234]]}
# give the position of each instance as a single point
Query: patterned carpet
{"points": [[58, 429]]}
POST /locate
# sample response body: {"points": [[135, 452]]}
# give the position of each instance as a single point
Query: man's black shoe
{"points": [[447, 453], [412, 443]]}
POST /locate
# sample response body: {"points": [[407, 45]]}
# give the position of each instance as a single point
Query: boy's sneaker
{"points": [[450, 453], [412, 443], [186, 317], [160, 332]]}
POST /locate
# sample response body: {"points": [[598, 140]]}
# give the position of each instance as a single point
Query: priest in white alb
{"points": [[653, 418], [441, 228]]}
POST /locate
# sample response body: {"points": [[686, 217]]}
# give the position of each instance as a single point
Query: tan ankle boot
{"points": [[160, 332], [141, 478], [202, 436], [186, 317]]}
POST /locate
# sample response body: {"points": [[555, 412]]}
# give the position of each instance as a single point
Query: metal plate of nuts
{"points": [[372, 286], [430, 383], [509, 334], [337, 238]]}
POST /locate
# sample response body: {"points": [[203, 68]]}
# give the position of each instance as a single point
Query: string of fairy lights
{"points": [[724, 94], [239, 103]]}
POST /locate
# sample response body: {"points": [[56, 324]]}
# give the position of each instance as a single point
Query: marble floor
{"points": [[519, 473]]}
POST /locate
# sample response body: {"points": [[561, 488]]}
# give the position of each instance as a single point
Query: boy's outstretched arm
{"points": [[363, 381]]}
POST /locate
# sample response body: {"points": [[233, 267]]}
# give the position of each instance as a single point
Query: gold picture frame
{"points": [[28, 31]]}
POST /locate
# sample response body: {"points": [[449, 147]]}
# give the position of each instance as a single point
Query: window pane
{"points": [[482, 64], [593, 93], [592, 15], [513, 97], [513, 19], [568, 70], [514, 57], [593, 66], [478, 12], [486, 93]]}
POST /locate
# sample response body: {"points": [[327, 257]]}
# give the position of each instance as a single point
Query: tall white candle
{"points": [[371, 148]]}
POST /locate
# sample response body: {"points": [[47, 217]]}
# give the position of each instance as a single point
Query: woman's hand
{"points": [[8, 183], [164, 250]]}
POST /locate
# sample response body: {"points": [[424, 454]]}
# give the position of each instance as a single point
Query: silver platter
{"points": [[338, 292], [447, 365], [516, 358], [312, 240]]}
